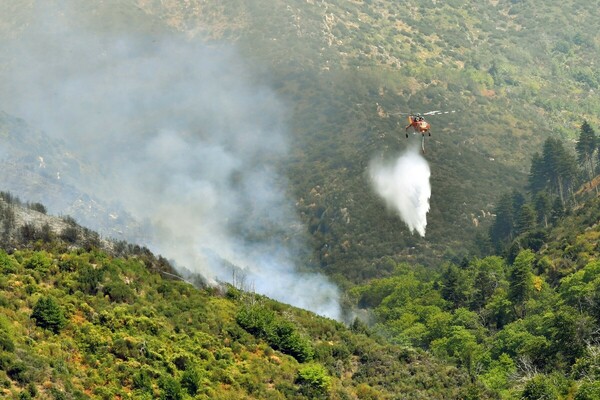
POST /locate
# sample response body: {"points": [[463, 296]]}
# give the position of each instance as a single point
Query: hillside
{"points": [[323, 101], [234, 138], [83, 317], [81, 323], [523, 326], [499, 61]]}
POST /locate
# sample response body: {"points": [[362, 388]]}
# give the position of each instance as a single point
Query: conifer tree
{"points": [[452, 286], [48, 314], [537, 180], [543, 207], [559, 168], [586, 147], [525, 220], [501, 230], [521, 280]]}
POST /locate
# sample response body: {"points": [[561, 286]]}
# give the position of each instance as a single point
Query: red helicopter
{"points": [[418, 123]]}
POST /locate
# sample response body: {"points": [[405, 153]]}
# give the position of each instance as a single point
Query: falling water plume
{"points": [[404, 186]]}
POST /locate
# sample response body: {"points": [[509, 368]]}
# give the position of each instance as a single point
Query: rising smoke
{"points": [[185, 139], [404, 186]]}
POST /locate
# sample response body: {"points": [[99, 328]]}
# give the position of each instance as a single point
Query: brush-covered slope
{"points": [[90, 324], [517, 68], [345, 69], [524, 325]]}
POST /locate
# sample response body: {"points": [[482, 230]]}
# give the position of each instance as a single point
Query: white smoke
{"points": [[404, 186], [185, 139]]}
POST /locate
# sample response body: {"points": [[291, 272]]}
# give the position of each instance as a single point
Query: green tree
{"points": [[543, 207], [460, 345], [142, 381], [559, 168], [499, 309], [569, 331], [39, 261], [454, 286], [558, 210], [537, 179], [314, 381], [89, 279], [539, 387], [521, 280], [170, 389], [8, 264], [191, 380], [586, 147], [119, 292], [501, 231], [588, 391], [488, 277], [498, 375], [48, 314], [525, 220], [284, 336]]}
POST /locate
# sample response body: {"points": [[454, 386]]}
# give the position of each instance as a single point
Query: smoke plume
{"points": [[183, 136], [403, 184]]}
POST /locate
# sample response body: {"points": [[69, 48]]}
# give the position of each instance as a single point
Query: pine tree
{"points": [[558, 211], [518, 200], [501, 230], [521, 280], [48, 314], [586, 147], [537, 180], [525, 220], [543, 207], [559, 168], [452, 286]]}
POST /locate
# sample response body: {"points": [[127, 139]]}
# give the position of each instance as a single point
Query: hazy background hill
{"points": [[331, 78]]}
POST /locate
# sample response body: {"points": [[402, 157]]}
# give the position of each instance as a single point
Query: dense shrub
{"points": [[8, 265], [190, 381], [142, 381], [48, 314], [89, 279], [314, 381], [170, 389], [39, 261], [119, 292], [279, 333], [6, 342], [539, 387]]}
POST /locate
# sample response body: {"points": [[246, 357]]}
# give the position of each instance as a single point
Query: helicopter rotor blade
{"points": [[438, 112]]}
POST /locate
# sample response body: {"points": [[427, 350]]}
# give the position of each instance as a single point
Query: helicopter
{"points": [[418, 124]]}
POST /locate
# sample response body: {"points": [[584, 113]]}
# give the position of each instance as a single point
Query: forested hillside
{"points": [[349, 67], [83, 318], [523, 321], [346, 69]]}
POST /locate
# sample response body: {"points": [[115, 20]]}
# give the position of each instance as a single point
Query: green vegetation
{"points": [[521, 323], [500, 300], [79, 324], [346, 69], [95, 323]]}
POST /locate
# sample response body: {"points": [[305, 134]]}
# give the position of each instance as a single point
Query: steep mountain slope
{"points": [[41, 169], [524, 326], [501, 62], [345, 69], [79, 324]]}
